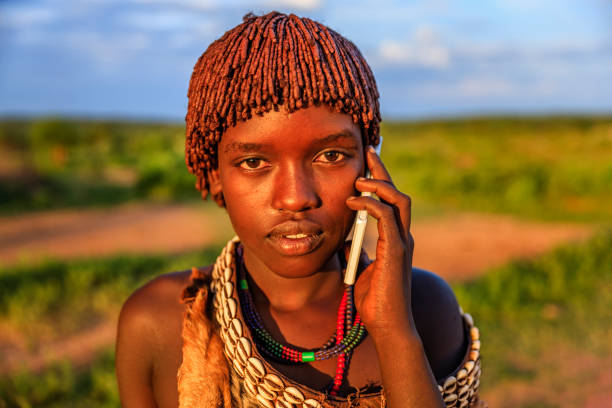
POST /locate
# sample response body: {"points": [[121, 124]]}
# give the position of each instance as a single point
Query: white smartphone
{"points": [[359, 229]]}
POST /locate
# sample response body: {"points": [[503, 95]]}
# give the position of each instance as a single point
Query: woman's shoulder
{"points": [[159, 299], [149, 339], [155, 296], [439, 322]]}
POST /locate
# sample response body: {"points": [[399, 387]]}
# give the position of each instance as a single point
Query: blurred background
{"points": [[497, 121]]}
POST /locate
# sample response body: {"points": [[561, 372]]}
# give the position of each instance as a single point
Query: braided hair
{"points": [[267, 62]]}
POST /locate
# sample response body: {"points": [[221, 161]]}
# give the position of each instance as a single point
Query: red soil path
{"points": [[457, 246]]}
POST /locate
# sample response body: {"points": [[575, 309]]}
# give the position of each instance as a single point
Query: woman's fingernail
{"points": [[350, 198], [361, 178]]}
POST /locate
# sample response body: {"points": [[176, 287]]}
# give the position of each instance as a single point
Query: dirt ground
{"points": [[456, 247]]}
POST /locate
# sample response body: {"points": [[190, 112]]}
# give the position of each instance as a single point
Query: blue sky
{"points": [[133, 58]]}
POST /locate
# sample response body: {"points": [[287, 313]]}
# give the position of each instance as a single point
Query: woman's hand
{"points": [[382, 292], [383, 298]]}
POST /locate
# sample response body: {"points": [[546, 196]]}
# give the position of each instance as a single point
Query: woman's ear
{"points": [[214, 187], [214, 181]]}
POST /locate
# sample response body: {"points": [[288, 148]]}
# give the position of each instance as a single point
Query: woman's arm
{"points": [[149, 343], [383, 294], [134, 353]]}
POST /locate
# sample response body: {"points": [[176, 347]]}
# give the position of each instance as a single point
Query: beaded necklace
{"points": [[349, 333]]}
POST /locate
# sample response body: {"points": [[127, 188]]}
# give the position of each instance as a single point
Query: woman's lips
{"points": [[293, 238], [296, 244]]}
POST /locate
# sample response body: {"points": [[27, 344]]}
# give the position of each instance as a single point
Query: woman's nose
{"points": [[295, 190]]}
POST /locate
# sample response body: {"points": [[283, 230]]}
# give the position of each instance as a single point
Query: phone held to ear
{"points": [[359, 228]]}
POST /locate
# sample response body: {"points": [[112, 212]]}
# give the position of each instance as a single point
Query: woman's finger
{"points": [[376, 166], [388, 229], [390, 195]]}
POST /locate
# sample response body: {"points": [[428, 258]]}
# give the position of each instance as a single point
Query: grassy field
{"points": [[47, 302], [542, 168], [539, 168], [540, 319]]}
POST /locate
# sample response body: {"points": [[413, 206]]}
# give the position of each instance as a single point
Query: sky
{"points": [[133, 58]]}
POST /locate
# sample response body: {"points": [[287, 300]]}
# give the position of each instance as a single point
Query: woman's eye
{"points": [[252, 163], [331, 156]]}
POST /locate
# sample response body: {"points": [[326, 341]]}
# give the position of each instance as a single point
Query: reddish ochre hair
{"points": [[266, 63]]}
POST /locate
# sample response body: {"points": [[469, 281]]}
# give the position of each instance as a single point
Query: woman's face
{"points": [[285, 179]]}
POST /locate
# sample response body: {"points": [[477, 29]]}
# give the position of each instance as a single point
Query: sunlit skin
{"points": [[290, 182]]}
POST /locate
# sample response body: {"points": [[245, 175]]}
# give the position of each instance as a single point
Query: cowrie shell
{"points": [[463, 393], [239, 368], [243, 350], [450, 384], [469, 366], [219, 316], [248, 376], [229, 350], [263, 390], [311, 403], [280, 403], [230, 245], [227, 274], [235, 329], [273, 382], [474, 333], [255, 367], [228, 289], [471, 378], [450, 398], [232, 307], [264, 402], [225, 315], [476, 345], [250, 388], [293, 395]]}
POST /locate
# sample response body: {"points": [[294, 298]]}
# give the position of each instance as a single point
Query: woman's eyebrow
{"points": [[243, 147], [334, 137]]}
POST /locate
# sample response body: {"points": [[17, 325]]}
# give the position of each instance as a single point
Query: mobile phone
{"points": [[359, 229]]}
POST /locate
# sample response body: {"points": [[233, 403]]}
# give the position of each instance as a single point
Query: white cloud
{"points": [[159, 20], [205, 5], [422, 49], [298, 4], [20, 17]]}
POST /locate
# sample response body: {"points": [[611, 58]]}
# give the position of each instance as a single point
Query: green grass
{"points": [[555, 168], [559, 301], [542, 168], [525, 311], [57, 163], [55, 298], [63, 385]]}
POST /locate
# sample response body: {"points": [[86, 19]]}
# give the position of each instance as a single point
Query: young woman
{"points": [[282, 119]]}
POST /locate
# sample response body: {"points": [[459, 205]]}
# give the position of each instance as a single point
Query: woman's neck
{"points": [[289, 294]]}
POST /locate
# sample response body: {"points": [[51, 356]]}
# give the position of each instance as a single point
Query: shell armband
{"points": [[460, 389]]}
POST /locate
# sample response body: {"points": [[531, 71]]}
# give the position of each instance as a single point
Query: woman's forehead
{"points": [[302, 128]]}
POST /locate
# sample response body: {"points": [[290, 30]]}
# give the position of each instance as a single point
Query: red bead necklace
{"points": [[349, 333]]}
